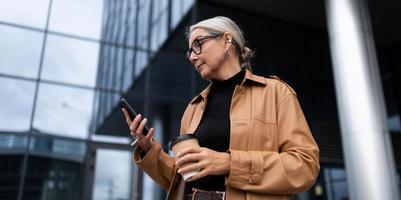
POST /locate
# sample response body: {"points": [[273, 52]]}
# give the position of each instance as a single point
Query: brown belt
{"points": [[198, 194]]}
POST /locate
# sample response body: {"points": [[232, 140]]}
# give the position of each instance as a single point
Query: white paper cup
{"points": [[181, 142]]}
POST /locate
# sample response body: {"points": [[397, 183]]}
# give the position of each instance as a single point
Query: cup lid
{"points": [[181, 138]]}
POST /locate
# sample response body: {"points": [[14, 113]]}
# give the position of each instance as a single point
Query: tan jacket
{"points": [[273, 154]]}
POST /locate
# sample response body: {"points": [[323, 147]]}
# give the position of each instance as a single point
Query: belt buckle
{"points": [[222, 193]]}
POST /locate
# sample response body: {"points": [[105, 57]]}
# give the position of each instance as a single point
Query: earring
{"points": [[226, 52]]}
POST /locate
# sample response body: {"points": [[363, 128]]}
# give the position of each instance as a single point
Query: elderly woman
{"points": [[254, 140]]}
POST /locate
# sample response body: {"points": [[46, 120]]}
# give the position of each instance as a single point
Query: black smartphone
{"points": [[132, 114]]}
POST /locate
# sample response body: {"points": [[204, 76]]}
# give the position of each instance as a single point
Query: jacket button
{"points": [[255, 178]]}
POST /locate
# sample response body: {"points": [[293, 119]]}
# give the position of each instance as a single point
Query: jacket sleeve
{"points": [[157, 164], [294, 168]]}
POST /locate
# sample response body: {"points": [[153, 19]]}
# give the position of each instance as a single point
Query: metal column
{"points": [[367, 148]]}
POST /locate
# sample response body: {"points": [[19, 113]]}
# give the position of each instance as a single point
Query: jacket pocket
{"points": [[263, 136], [240, 131]]}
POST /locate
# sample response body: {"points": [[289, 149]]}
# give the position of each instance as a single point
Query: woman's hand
{"points": [[136, 126], [208, 161]]}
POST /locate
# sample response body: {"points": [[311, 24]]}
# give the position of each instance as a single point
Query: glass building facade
{"points": [[65, 64]]}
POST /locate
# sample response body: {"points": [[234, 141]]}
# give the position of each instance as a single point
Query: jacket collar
{"points": [[249, 78]]}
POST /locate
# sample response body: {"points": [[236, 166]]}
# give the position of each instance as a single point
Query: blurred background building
{"points": [[64, 65]]}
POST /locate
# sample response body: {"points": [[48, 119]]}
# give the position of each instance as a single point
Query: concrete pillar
{"points": [[367, 148]]}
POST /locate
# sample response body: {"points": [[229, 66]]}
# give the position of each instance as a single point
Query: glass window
{"points": [[130, 25], [83, 18], [143, 25], [141, 62], [22, 12], [20, 51], [175, 13], [336, 183], [13, 141], [159, 32], [105, 103], [187, 5], [111, 18], [127, 26], [394, 124], [113, 174], [179, 9], [48, 179], [70, 60], [113, 62], [128, 69], [16, 104], [159, 7], [119, 22], [63, 110], [10, 175], [63, 149], [150, 189]]}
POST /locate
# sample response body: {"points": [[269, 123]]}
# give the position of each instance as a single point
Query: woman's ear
{"points": [[227, 37]]}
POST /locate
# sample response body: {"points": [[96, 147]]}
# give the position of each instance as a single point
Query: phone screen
{"points": [[132, 114]]}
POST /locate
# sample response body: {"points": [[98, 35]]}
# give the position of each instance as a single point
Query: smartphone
{"points": [[132, 114]]}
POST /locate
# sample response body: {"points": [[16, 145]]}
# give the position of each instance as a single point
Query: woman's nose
{"points": [[193, 57]]}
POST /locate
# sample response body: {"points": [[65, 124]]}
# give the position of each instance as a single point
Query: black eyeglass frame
{"points": [[199, 40]]}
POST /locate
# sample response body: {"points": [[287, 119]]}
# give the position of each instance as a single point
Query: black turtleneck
{"points": [[214, 129]]}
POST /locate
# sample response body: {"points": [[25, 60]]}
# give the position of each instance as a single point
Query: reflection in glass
{"points": [[63, 110], [119, 22], [179, 9], [105, 102], [141, 62], [187, 4], [113, 173], [150, 189], [159, 8], [77, 17], [115, 69], [175, 13], [159, 32], [22, 12], [63, 149], [70, 61], [20, 51], [16, 104], [336, 183], [48, 179], [394, 123], [128, 75], [143, 25], [13, 141], [10, 175]]}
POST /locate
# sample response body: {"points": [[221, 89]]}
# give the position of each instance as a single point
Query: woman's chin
{"points": [[205, 74]]}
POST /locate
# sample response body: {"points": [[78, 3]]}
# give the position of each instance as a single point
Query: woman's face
{"points": [[211, 52]]}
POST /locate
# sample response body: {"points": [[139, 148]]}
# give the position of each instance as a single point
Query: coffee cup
{"points": [[181, 142]]}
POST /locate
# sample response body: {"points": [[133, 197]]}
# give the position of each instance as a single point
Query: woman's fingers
{"points": [[127, 117], [141, 126], [194, 166], [208, 161], [187, 150], [189, 157], [134, 125], [150, 134]]}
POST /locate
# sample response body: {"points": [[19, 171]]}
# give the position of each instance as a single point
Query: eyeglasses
{"points": [[196, 45]]}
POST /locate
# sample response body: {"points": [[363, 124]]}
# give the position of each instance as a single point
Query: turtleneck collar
{"points": [[236, 79]]}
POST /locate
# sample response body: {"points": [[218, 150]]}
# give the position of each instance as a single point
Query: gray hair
{"points": [[222, 24]]}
